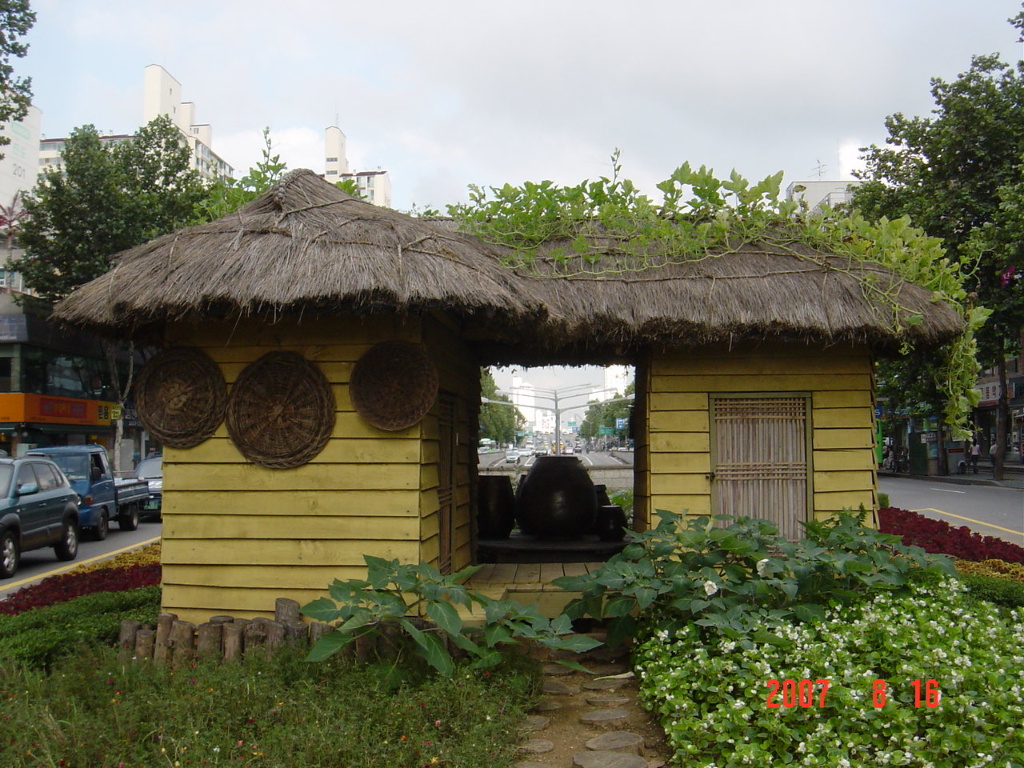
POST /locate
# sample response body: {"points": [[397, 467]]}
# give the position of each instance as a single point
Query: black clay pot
{"points": [[611, 523], [601, 494], [556, 500], [496, 506]]}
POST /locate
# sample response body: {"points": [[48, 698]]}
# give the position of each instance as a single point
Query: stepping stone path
{"points": [[598, 707]]}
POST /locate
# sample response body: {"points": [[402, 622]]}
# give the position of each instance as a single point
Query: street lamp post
{"points": [[555, 396]]}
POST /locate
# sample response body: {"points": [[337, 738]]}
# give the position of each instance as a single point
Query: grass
{"points": [[90, 711], [66, 700]]}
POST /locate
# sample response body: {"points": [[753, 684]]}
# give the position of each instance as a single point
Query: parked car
{"points": [[152, 471], [38, 508], [102, 499]]}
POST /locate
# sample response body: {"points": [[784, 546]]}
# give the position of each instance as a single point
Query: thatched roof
{"points": [[306, 247]]}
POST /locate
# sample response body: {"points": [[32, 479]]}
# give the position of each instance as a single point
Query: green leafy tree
{"points": [[498, 422], [605, 414], [958, 175], [228, 195], [16, 18], [109, 198]]}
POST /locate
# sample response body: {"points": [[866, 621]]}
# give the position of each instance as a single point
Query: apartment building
{"points": [[161, 95], [373, 186]]}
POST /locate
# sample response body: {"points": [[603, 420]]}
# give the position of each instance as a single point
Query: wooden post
{"points": [[162, 645], [208, 640], [296, 633], [256, 633], [234, 640], [183, 635], [318, 629], [144, 641], [126, 640], [275, 636], [286, 610]]}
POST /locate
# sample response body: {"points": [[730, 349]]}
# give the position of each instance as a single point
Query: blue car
{"points": [[38, 508]]}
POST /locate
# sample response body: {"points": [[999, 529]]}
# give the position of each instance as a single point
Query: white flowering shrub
{"points": [[713, 696]]}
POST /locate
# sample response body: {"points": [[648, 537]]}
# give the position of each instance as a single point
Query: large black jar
{"points": [[496, 506], [556, 500]]}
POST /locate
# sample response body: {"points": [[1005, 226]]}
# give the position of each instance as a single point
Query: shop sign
{"points": [[988, 394]]}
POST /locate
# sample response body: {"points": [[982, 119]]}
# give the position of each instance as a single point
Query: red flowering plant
{"points": [[132, 570], [939, 537]]}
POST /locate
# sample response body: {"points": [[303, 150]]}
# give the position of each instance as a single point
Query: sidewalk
{"points": [[1013, 475]]}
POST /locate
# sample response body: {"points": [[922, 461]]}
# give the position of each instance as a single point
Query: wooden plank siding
{"points": [[238, 536], [674, 468]]}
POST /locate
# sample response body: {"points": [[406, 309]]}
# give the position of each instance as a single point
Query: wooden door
{"points": [[760, 460]]}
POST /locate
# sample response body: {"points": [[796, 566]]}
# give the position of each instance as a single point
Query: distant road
{"points": [[988, 510]]}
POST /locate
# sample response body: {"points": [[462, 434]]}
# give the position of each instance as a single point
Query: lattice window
{"points": [[760, 460]]}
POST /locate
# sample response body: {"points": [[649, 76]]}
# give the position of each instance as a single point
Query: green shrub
{"points": [[883, 500], [393, 593], [712, 695], [994, 589], [741, 580], [41, 636]]}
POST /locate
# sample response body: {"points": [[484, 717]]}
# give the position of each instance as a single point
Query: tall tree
{"points": [[958, 174], [109, 198], [605, 413], [16, 18], [498, 421]]}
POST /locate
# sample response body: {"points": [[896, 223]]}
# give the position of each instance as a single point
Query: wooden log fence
{"points": [[179, 643]]}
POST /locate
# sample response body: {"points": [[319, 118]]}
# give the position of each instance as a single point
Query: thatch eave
{"points": [[305, 249]]}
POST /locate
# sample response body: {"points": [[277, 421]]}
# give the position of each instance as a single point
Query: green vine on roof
{"points": [[607, 227]]}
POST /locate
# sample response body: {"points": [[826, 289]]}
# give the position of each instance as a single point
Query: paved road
{"points": [[595, 459], [40, 563], [988, 510]]}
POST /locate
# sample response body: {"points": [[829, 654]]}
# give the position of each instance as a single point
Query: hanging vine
{"points": [[607, 227]]}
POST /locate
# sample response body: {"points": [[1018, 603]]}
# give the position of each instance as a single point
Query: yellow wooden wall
{"points": [[237, 536], [673, 469]]}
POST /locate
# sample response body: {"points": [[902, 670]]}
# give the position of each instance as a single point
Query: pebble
{"points": [[606, 700], [547, 705], [604, 717], [555, 688], [606, 684], [617, 741], [536, 723], [607, 760], [536, 746], [556, 670]]}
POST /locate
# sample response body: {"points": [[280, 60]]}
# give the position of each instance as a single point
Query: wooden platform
{"points": [[527, 583]]}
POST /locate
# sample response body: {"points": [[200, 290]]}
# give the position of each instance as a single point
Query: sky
{"points": [[454, 93]]}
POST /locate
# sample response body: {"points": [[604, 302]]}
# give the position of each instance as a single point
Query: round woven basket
{"points": [[180, 397], [280, 411], [393, 385]]}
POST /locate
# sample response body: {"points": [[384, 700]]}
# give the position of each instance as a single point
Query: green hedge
{"points": [[994, 589], [41, 636]]}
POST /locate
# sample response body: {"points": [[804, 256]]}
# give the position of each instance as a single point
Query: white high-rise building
{"points": [[161, 95], [373, 186], [18, 170], [616, 379]]}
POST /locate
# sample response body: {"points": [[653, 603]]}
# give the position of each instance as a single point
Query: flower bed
{"points": [[859, 666], [131, 570], [939, 537]]}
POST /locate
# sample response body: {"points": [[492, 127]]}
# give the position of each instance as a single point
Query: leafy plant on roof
{"points": [[608, 227]]}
